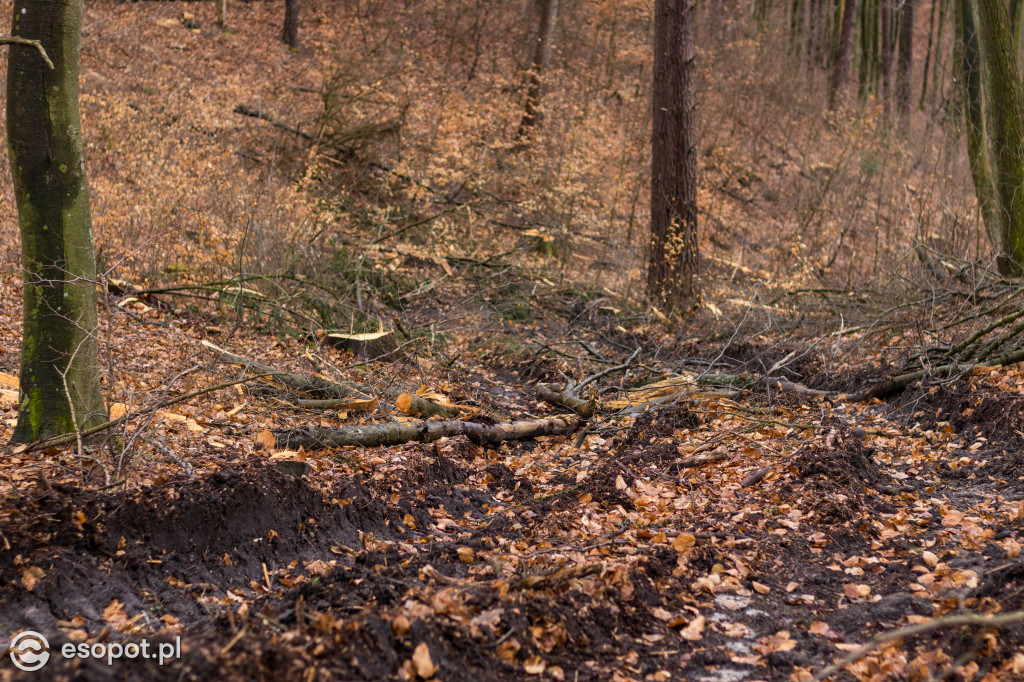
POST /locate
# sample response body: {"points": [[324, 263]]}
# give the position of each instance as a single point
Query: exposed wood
{"points": [[375, 435], [370, 345], [302, 383], [421, 407], [584, 408]]}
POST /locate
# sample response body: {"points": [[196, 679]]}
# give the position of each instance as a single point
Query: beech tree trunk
{"points": [[1004, 97], [841, 70], [290, 32], [60, 379], [968, 61], [222, 13], [671, 275], [541, 63]]}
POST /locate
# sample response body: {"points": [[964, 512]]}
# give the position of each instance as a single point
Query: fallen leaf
{"points": [[856, 591], [421, 661], [684, 542]]}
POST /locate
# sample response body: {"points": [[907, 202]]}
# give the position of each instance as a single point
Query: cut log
{"points": [[301, 383], [420, 407], [364, 346], [375, 435], [584, 408]]}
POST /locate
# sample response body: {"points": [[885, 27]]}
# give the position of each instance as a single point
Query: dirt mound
{"points": [[155, 549], [835, 475], [650, 443]]}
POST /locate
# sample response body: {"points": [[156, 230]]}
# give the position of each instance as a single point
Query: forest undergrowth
{"points": [[296, 244]]}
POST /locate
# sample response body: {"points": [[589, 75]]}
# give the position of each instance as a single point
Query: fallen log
{"points": [[584, 408], [399, 433], [301, 383], [894, 385], [421, 407]]}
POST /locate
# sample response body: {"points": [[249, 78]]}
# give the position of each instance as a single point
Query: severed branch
{"points": [[894, 385], [584, 408], [15, 40], [312, 385], [937, 624], [606, 372], [315, 438]]}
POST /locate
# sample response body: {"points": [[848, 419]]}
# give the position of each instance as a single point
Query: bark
{"points": [[60, 380], [672, 270], [290, 31], [1004, 98], [904, 70], [222, 13], [540, 66], [584, 408], [376, 435], [968, 61], [841, 70]]}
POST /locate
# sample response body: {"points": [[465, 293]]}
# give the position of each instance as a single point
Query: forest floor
{"points": [[686, 532], [813, 524]]}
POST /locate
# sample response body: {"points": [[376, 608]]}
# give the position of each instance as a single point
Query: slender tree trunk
{"points": [[290, 31], [938, 73], [222, 13], [60, 380], [928, 52], [1017, 17], [1004, 98], [841, 70], [672, 281], [968, 60], [904, 70], [887, 49], [538, 69]]}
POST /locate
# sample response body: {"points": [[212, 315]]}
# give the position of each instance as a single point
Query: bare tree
{"points": [[541, 64], [671, 275], [60, 379], [290, 31], [841, 69]]}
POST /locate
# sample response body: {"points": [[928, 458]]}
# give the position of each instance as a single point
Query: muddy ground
{"points": [[267, 576]]}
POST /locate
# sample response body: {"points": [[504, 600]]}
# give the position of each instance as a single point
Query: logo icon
{"points": [[30, 651]]}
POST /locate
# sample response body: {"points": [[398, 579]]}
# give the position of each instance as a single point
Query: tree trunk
{"points": [[904, 70], [290, 32], [887, 49], [932, 46], [1004, 98], [841, 70], [541, 64], [60, 379], [968, 60], [671, 276], [222, 13]]}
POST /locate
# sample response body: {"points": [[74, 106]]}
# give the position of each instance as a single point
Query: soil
{"points": [[266, 576]]}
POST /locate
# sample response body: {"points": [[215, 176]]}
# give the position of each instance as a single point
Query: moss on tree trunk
{"points": [[1004, 98], [60, 386]]}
